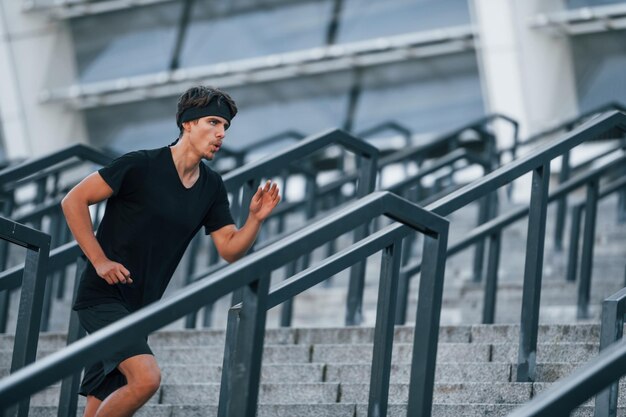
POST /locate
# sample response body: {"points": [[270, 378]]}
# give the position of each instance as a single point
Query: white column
{"points": [[35, 53], [526, 73]]}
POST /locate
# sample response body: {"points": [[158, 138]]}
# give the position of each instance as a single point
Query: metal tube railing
{"points": [[607, 125], [245, 178], [593, 377], [31, 297], [611, 330], [244, 273], [494, 228]]}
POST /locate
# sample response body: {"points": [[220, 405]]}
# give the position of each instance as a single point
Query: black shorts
{"points": [[103, 377]]}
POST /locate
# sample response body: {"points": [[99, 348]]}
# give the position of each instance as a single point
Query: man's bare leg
{"points": [[143, 378], [92, 406]]}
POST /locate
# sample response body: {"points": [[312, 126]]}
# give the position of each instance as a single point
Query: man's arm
{"points": [[91, 190], [233, 243]]}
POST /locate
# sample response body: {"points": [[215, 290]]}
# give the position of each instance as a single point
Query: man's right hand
{"points": [[113, 272]]}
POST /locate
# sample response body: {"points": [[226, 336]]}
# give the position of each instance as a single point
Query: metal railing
{"points": [[33, 284], [493, 229], [240, 155], [38, 171], [602, 372], [243, 182], [611, 331], [537, 162], [246, 357], [589, 207], [566, 168], [487, 157]]}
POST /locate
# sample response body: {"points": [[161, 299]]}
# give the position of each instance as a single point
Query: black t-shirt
{"points": [[148, 223]]}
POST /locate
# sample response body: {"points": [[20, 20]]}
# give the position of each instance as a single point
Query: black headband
{"points": [[214, 108]]}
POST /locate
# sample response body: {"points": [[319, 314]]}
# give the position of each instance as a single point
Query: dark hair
{"points": [[200, 96]]}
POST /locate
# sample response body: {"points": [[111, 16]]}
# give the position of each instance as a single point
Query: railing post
{"points": [[611, 330], [404, 280], [527, 353], [68, 400], [230, 344], [5, 296], [367, 181], [190, 319], [491, 282], [561, 208], [586, 257], [426, 337], [63, 238], [301, 263], [572, 256], [383, 332], [486, 210], [29, 315], [245, 371], [621, 206]]}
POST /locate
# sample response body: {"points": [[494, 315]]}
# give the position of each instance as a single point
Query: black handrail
{"points": [[563, 397], [564, 174], [594, 195], [33, 166], [245, 274], [571, 123], [240, 155], [399, 188], [601, 372], [611, 330], [31, 297], [38, 171], [537, 162], [248, 176], [493, 228], [392, 125]]}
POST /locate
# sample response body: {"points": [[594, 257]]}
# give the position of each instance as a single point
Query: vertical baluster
{"points": [[611, 330], [29, 315], [572, 256], [586, 257], [561, 207], [491, 282], [245, 367], [356, 286], [68, 400], [426, 337], [527, 354], [383, 332]]}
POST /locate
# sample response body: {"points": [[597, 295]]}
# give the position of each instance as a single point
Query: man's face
{"points": [[206, 135]]}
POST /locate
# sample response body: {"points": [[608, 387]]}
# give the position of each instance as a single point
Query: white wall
{"points": [[35, 53], [526, 73]]}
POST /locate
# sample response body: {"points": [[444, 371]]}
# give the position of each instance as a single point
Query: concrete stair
{"points": [[325, 371]]}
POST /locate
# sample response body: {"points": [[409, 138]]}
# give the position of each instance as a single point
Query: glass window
{"points": [[125, 43], [367, 19], [599, 64], [126, 127], [428, 95], [255, 33]]}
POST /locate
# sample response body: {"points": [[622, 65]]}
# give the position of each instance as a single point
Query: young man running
{"points": [[157, 200]]}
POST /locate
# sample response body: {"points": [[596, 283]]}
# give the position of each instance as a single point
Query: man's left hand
{"points": [[264, 201]]}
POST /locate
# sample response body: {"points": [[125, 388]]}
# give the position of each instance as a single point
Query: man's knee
{"points": [[148, 384], [142, 374]]}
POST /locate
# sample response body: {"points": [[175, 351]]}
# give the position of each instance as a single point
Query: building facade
{"points": [[108, 72]]}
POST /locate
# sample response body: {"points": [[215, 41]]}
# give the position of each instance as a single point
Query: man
{"points": [[157, 200]]}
